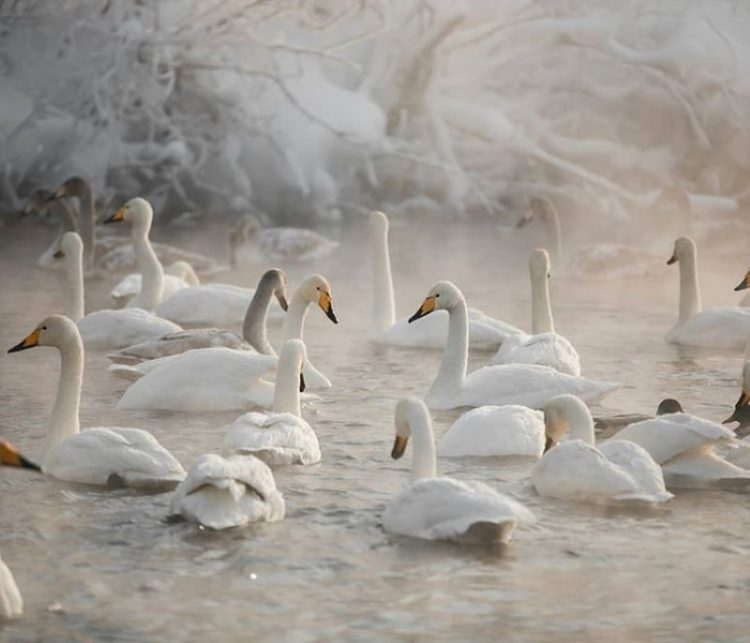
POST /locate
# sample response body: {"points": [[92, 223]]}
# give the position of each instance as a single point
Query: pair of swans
{"points": [[727, 327], [524, 384], [220, 379]]}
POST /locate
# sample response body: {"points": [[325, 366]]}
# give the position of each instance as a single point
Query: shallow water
{"points": [[96, 565]]}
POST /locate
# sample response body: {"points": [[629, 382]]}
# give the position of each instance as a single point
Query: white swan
{"points": [[228, 492], [104, 329], [272, 284], [282, 437], [177, 276], [684, 445], [442, 508], [222, 379], [10, 457], [576, 469], [494, 431], [11, 602], [39, 201], [96, 456], [524, 384], [727, 327], [544, 347], [484, 332]]}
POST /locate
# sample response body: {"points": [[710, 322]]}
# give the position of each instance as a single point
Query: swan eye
{"points": [[44, 328], [437, 295]]}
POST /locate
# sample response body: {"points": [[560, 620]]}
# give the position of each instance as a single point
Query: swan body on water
{"points": [[524, 384], [282, 437], [96, 456], [435, 507], [220, 493], [617, 471], [284, 244]]}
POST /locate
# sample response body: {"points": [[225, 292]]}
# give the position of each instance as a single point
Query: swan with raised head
{"points": [[544, 346], [727, 327], [104, 329], [220, 493], [484, 332], [283, 436], [273, 283], [10, 457], [96, 456], [576, 469], [508, 430], [39, 201], [11, 602], [685, 447], [524, 384], [441, 508], [177, 276], [223, 379]]}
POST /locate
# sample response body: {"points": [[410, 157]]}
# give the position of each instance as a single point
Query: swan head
{"points": [[539, 263], [37, 202], [74, 186], [684, 248], [71, 246], [10, 457], [741, 412], [137, 210], [294, 352], [540, 207], [561, 414], [408, 411], [317, 290], [745, 283], [668, 406], [442, 296], [275, 279], [55, 330], [378, 222]]}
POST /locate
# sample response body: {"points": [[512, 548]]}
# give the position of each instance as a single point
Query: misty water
{"points": [[106, 565]]}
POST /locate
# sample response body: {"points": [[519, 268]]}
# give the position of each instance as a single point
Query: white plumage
{"points": [[11, 602]]}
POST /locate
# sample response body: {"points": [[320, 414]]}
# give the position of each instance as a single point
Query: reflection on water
{"points": [[120, 571]]}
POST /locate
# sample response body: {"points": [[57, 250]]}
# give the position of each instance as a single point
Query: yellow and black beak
{"points": [[324, 301], [671, 260], [745, 283], [302, 385], [9, 457], [31, 340], [119, 215], [281, 298], [742, 402], [399, 446], [428, 305]]}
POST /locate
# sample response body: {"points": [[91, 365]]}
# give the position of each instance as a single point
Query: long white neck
{"points": [[256, 317], [74, 303], [383, 303], [450, 377], [690, 296], [294, 319], [64, 421], [152, 272], [541, 310], [581, 423], [423, 464], [286, 392]]}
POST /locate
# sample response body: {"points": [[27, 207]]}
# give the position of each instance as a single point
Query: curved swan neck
{"points": [[294, 319], [690, 297], [383, 305], [423, 464], [152, 272], [254, 326], [581, 423], [64, 421], [74, 304], [286, 391], [452, 373], [541, 310]]}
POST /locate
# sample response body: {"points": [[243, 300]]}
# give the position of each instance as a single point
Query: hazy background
{"points": [[313, 110]]}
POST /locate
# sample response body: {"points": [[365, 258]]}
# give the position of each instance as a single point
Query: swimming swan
{"points": [[11, 602], [544, 346], [727, 327], [228, 492], [484, 332], [104, 329], [96, 456], [283, 436], [524, 384], [442, 508], [617, 471]]}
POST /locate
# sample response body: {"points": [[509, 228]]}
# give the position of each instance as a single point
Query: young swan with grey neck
{"points": [[442, 508], [97, 456], [544, 347], [139, 214], [281, 437], [727, 327], [524, 384], [617, 471], [78, 188]]}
